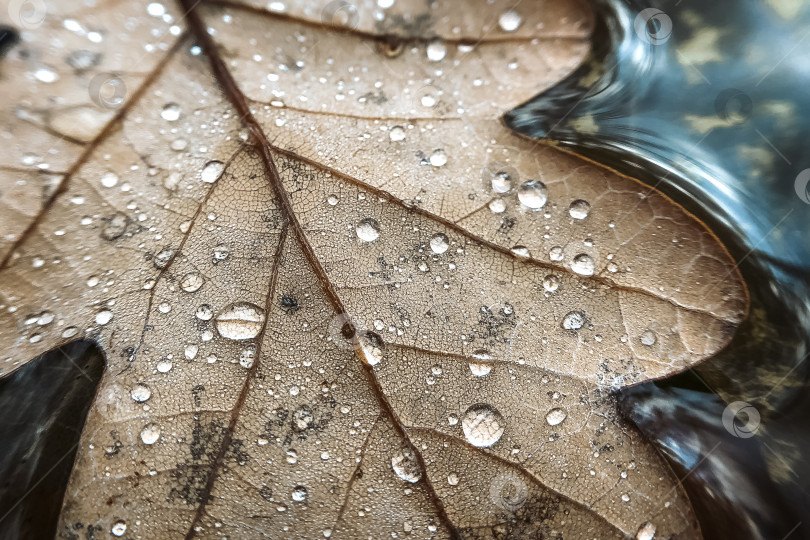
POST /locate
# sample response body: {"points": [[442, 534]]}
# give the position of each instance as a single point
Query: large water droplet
{"points": [[368, 230], [240, 320], [103, 317], [150, 433], [501, 182], [140, 392], [509, 21], [555, 416], [583, 264], [406, 466], [483, 425], [439, 243], [170, 112], [212, 171], [574, 320], [533, 194], [579, 209]]}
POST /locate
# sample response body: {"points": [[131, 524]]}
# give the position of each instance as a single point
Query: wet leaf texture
{"points": [[337, 296]]}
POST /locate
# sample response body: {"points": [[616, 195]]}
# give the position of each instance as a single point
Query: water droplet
{"points": [[221, 252], [579, 209], [372, 346], [163, 257], [397, 133], [70, 331], [648, 338], [212, 171], [625, 497], [497, 206], [436, 50], [164, 366], [439, 243], [522, 252], [204, 312], [240, 320], [46, 75], [501, 182], [190, 351], [109, 179], [438, 158], [646, 532], [140, 392], [368, 230], [483, 425], [551, 283], [292, 457], [452, 479], [509, 21], [555, 416], [150, 433], [574, 320], [103, 317], [533, 194], [45, 318], [480, 369], [300, 494], [119, 528], [192, 282], [247, 357], [406, 466], [583, 264], [170, 112], [555, 253], [115, 226], [333, 200]]}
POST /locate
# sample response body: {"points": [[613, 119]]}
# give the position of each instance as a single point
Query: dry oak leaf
{"points": [[338, 298]]}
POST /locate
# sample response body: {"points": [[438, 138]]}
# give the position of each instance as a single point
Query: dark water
{"points": [[708, 102]]}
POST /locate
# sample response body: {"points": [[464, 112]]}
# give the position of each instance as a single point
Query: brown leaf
{"points": [[338, 297]]}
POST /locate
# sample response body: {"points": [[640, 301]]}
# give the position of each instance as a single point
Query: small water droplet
{"points": [[162, 258], [150, 433], [221, 252], [372, 346], [368, 230], [646, 532], [436, 50], [192, 282], [190, 351], [240, 320], [333, 200], [140, 392], [247, 357], [397, 133], [103, 317], [119, 528], [522, 252], [551, 283], [164, 366], [574, 320], [556, 253], [452, 479], [483, 425], [579, 209], [212, 171], [204, 312], [648, 338], [497, 206], [439, 243], [509, 21], [583, 264], [555, 416], [533, 194], [70, 331], [438, 158], [109, 179], [170, 112], [300, 494], [406, 466], [45, 318], [480, 369]]}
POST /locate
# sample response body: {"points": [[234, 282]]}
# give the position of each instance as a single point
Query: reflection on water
{"points": [[708, 102]]}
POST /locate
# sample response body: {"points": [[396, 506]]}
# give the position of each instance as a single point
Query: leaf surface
{"points": [[340, 299]]}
